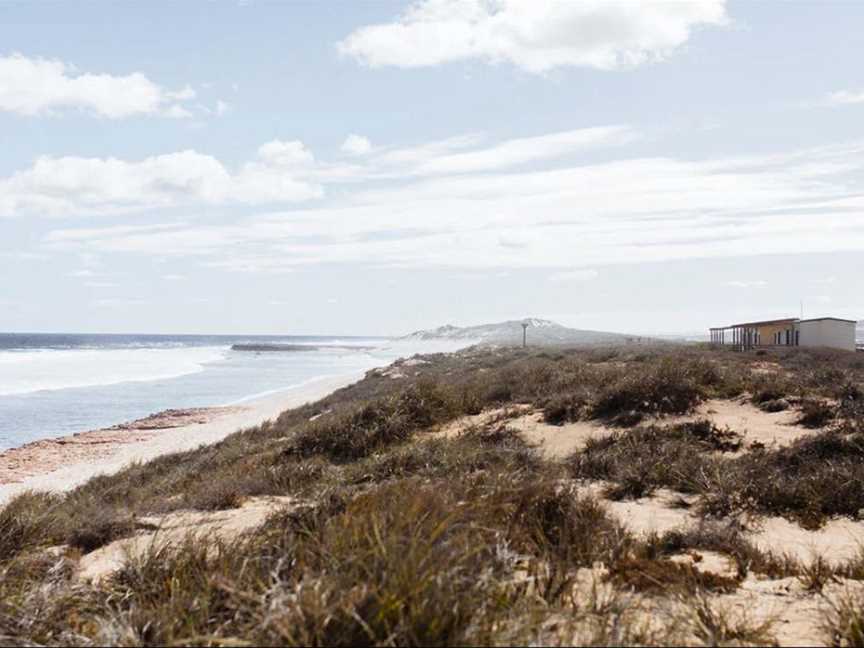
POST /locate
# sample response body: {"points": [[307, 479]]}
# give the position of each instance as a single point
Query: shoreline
{"points": [[109, 450]]}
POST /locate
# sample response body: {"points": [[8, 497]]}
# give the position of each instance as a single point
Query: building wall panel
{"points": [[828, 333]]}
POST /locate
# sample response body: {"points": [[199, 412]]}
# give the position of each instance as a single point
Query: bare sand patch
{"points": [[554, 441], [557, 441], [488, 417], [771, 429], [798, 616], [709, 562], [837, 541], [768, 428], [173, 528], [665, 510]]}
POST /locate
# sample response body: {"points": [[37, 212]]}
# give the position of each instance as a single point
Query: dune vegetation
{"points": [[386, 530]]}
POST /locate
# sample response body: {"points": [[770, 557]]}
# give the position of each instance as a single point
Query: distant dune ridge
{"points": [[540, 332]]}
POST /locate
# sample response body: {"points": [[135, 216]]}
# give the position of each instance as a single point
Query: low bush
{"points": [[662, 576], [563, 408], [25, 522], [384, 422], [643, 459], [99, 528], [815, 413], [812, 479], [667, 388], [772, 406]]}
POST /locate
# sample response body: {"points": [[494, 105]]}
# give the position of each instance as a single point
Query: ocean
{"points": [[55, 385]]}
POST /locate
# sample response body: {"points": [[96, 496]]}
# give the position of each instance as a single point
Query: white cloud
{"points": [[177, 112], [746, 284], [574, 275], [119, 302], [222, 107], [34, 86], [356, 145], [73, 185], [573, 214], [844, 97], [281, 171], [535, 35], [529, 149]]}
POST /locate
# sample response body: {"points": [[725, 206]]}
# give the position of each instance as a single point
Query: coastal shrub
{"points": [[390, 420], [667, 388], [661, 576], [773, 406], [725, 538], [25, 522], [714, 624], [563, 408], [844, 626], [409, 563], [766, 392], [438, 458], [812, 479], [99, 528], [643, 459], [815, 413]]}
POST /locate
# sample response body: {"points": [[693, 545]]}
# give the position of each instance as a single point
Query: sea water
{"points": [[55, 385]]}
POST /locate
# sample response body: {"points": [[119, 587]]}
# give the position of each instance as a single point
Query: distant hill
{"points": [[540, 332]]}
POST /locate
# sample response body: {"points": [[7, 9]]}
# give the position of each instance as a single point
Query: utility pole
{"points": [[524, 334]]}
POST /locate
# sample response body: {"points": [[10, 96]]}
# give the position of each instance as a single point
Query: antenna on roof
{"points": [[802, 309]]}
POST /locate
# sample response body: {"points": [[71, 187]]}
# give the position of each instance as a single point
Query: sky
{"points": [[373, 168]]}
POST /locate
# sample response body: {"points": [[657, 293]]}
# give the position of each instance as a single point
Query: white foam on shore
{"points": [[23, 372]]}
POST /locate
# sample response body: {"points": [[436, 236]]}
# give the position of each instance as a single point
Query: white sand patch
{"points": [[557, 441], [838, 541], [798, 615], [772, 429], [174, 528], [483, 419], [769, 428], [709, 562]]}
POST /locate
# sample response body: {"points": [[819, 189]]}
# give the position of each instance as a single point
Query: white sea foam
{"points": [[22, 372]]}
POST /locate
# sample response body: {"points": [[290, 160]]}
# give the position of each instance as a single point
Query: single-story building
{"points": [[831, 332]]}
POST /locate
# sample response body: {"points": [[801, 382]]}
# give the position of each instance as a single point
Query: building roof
{"points": [[788, 320], [835, 319]]}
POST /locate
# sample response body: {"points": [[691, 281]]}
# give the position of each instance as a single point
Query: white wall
{"points": [[827, 333]]}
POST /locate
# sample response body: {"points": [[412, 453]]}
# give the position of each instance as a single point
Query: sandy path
{"points": [[176, 439]]}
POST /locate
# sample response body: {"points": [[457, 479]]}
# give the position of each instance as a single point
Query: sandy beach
{"points": [[61, 464]]}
